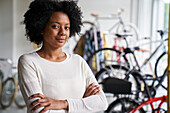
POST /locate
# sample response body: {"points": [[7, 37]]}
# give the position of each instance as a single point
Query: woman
{"points": [[51, 80]]}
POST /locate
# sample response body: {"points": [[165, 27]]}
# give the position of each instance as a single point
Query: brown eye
{"points": [[56, 26], [67, 27]]}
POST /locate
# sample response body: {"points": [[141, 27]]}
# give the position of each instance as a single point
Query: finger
{"points": [[95, 91], [92, 89], [98, 92], [45, 109], [91, 85], [38, 101], [37, 95], [39, 106]]}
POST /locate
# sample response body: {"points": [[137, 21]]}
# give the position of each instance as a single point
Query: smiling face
{"points": [[56, 31]]}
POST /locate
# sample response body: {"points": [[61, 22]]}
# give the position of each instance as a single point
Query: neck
{"points": [[52, 54]]}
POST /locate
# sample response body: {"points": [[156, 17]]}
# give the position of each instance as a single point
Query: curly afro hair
{"points": [[40, 11]]}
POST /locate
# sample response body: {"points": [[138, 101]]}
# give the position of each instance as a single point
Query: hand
{"points": [[47, 103], [92, 89]]}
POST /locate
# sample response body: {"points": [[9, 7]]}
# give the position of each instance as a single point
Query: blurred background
{"points": [[148, 16]]}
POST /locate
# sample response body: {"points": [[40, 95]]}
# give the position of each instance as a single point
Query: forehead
{"points": [[59, 17]]}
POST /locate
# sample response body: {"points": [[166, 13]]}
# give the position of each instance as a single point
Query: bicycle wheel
{"points": [[9, 90], [19, 100], [1, 79], [118, 71], [123, 105], [161, 109], [160, 70], [0, 87], [106, 56], [129, 29]]}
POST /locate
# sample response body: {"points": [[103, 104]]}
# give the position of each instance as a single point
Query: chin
{"points": [[59, 45]]}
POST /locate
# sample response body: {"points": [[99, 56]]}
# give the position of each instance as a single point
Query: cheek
{"points": [[68, 33], [50, 33]]}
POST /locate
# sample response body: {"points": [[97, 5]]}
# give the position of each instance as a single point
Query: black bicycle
{"points": [[119, 66], [129, 105]]}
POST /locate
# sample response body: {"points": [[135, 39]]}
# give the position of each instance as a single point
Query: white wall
{"points": [[144, 17], [20, 43], [14, 32], [6, 28]]}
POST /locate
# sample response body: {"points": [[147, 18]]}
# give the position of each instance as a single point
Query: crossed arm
{"points": [[51, 104], [30, 83]]}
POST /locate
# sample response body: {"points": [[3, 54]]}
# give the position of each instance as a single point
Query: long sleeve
{"points": [[65, 80], [28, 81], [92, 103], [30, 84]]}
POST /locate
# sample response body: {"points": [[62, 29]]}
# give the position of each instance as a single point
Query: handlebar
{"points": [[119, 12], [7, 60], [162, 32], [123, 36]]}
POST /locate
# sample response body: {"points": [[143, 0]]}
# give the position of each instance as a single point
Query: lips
{"points": [[60, 40]]}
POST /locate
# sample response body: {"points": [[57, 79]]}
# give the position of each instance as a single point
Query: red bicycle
{"points": [[150, 102]]}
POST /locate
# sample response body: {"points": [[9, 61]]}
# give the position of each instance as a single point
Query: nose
{"points": [[62, 31]]}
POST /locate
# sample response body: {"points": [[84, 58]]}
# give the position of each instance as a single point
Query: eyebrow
{"points": [[59, 23]]}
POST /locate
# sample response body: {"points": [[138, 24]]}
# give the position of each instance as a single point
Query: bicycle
{"points": [[119, 27], [106, 65], [10, 90], [109, 70], [1, 78], [161, 63], [9, 87], [99, 58], [128, 105]]}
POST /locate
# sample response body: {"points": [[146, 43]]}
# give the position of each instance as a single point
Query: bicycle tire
{"points": [[9, 91], [163, 81], [106, 56], [0, 87], [1, 79], [19, 100], [160, 70], [129, 29], [123, 105], [118, 71]]}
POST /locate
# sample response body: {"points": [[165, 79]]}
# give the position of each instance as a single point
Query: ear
{"points": [[42, 32]]}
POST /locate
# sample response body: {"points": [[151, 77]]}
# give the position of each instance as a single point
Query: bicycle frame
{"points": [[8, 61], [112, 17], [153, 53], [148, 59], [150, 102]]}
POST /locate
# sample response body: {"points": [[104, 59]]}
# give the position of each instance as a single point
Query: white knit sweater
{"points": [[59, 80]]}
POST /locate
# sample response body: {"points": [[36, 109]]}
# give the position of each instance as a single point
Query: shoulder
{"points": [[26, 57], [77, 58], [80, 60]]}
